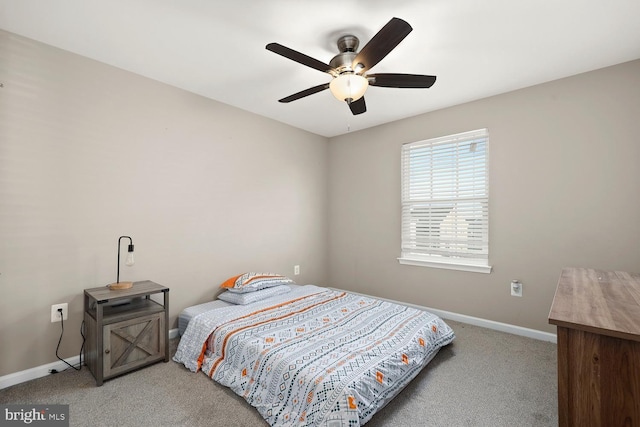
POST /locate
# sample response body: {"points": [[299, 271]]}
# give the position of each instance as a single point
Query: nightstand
{"points": [[125, 329]]}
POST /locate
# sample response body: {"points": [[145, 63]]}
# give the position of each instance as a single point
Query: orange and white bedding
{"points": [[314, 356]]}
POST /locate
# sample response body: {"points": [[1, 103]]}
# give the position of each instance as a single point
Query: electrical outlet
{"points": [[55, 315], [516, 288], [296, 270]]}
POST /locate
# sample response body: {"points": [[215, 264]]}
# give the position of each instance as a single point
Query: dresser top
{"points": [[603, 302]]}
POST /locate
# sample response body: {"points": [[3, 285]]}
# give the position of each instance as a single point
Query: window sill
{"points": [[449, 265]]}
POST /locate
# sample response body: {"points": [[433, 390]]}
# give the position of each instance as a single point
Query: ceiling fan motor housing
{"points": [[342, 62]]}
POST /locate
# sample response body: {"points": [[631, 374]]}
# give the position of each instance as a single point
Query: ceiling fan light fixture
{"points": [[348, 87]]}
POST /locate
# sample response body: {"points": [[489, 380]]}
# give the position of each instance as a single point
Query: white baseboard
{"points": [[43, 370], [497, 326], [37, 372], [476, 321]]}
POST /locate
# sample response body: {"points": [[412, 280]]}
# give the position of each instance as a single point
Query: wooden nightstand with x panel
{"points": [[125, 329]]}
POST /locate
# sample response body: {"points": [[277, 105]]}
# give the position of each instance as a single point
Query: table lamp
{"points": [[129, 262]]}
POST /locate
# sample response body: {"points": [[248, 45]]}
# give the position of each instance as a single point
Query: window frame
{"points": [[438, 257]]}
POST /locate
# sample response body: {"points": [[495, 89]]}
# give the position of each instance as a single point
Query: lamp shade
{"points": [[348, 87]]}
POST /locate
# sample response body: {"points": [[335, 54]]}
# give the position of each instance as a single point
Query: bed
{"points": [[312, 356]]}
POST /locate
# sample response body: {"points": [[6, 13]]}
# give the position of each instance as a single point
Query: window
{"points": [[445, 202]]}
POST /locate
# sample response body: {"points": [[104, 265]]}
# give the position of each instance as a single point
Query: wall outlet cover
{"points": [[55, 315], [516, 289]]}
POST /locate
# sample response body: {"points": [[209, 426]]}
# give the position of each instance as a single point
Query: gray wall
{"points": [[564, 191], [89, 152]]}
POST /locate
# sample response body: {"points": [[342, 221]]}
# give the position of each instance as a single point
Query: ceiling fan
{"points": [[349, 67]]}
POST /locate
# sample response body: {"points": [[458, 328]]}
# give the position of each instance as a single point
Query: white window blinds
{"points": [[445, 202]]}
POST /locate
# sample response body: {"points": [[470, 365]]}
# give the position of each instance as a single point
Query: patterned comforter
{"points": [[314, 356]]}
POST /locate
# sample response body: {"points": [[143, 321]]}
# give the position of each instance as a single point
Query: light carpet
{"points": [[485, 378]]}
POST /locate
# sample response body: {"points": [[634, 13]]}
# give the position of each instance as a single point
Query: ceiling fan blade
{"points": [[358, 107], [401, 80], [305, 92], [298, 57], [381, 44]]}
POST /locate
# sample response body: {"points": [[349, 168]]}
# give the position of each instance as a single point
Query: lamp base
{"points": [[121, 285]]}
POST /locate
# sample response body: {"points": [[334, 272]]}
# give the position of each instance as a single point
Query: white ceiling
{"points": [[217, 48]]}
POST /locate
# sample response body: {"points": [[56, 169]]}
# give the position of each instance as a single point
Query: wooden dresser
{"points": [[597, 314]]}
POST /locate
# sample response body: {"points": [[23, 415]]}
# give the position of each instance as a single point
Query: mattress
{"points": [[190, 312], [314, 356]]}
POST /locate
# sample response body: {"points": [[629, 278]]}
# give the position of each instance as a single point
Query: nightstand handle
{"points": [[107, 351]]}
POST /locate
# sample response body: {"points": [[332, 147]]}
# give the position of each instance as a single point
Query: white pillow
{"points": [[250, 297]]}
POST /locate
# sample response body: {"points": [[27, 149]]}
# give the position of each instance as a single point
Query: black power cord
{"points": [[79, 367]]}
